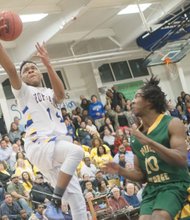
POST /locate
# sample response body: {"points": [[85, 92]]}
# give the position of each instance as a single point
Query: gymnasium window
{"points": [[137, 68], [47, 81], [122, 70], [106, 73], [7, 89]]}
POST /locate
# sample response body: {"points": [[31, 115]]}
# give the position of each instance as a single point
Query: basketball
{"points": [[13, 23]]}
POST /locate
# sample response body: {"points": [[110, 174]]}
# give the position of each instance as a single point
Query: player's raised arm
{"points": [[9, 68], [56, 83]]}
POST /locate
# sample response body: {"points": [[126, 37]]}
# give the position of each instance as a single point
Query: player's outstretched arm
{"points": [[56, 83], [133, 174], [9, 68]]}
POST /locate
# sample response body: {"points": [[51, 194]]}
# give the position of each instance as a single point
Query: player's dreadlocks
{"points": [[153, 93]]}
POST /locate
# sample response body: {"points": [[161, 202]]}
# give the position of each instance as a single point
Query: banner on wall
{"points": [[69, 105], [14, 109], [129, 89]]}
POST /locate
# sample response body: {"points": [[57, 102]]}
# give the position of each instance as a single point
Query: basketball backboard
{"points": [[175, 51]]}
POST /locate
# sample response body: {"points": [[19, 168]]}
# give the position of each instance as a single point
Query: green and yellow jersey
{"points": [[156, 169]]}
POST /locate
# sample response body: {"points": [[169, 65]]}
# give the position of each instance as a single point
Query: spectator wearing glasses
{"points": [[41, 191]]}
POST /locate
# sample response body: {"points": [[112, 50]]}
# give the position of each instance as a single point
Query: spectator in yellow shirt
{"points": [[21, 167], [96, 142], [102, 157], [27, 181]]}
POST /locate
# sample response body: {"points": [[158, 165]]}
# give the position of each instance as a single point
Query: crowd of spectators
{"points": [[101, 130]]}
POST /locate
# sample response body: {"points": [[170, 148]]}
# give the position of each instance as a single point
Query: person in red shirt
{"points": [[117, 201]]}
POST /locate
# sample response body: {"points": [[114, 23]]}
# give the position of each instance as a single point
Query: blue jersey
{"points": [[96, 110]]}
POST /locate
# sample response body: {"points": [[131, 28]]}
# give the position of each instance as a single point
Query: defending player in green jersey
{"points": [[160, 155]]}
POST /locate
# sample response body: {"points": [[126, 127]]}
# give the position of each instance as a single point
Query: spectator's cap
{"points": [[14, 176], [39, 176]]}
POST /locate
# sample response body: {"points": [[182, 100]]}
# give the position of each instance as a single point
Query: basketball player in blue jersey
{"points": [[160, 155], [46, 143]]}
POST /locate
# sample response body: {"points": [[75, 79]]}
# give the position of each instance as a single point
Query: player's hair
{"points": [[153, 93], [25, 62]]}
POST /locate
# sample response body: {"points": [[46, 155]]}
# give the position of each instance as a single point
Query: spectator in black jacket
{"points": [[41, 191]]}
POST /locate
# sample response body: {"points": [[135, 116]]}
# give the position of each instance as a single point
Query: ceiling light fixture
{"points": [[32, 17], [131, 9]]}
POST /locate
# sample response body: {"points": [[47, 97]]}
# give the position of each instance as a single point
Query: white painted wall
{"points": [[186, 68], [172, 88], [81, 81]]}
